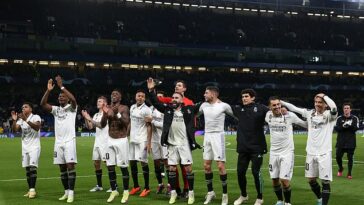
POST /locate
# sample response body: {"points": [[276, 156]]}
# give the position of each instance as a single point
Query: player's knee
{"points": [[221, 167], [207, 167], [188, 168], [285, 183], [172, 168], [312, 181]]}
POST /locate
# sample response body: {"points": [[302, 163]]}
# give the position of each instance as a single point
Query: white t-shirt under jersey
{"points": [[215, 116], [101, 134], [177, 135], [281, 131], [64, 123], [138, 126], [30, 137], [320, 127], [157, 123]]}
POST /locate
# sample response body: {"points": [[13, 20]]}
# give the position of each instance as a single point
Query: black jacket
{"points": [[250, 135], [189, 113], [346, 138]]}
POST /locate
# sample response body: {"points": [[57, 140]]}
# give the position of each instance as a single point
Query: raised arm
{"points": [[293, 108], [332, 106], [44, 102], [14, 126], [297, 121], [70, 96], [153, 97]]}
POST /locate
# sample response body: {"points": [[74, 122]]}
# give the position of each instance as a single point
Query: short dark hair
{"points": [[249, 91], [178, 94], [183, 83], [140, 91], [213, 88], [348, 104], [271, 98], [102, 97], [117, 90], [28, 103], [161, 92]]}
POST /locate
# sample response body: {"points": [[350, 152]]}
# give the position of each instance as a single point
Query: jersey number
{"points": [[307, 166], [55, 155], [270, 168], [107, 156]]}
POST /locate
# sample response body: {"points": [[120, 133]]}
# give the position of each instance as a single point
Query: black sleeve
{"points": [[355, 124], [161, 107], [339, 125], [236, 109]]}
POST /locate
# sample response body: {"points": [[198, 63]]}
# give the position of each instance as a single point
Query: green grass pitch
{"points": [[13, 184]]}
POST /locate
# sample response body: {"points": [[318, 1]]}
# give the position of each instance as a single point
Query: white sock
{"points": [[70, 192], [66, 191], [32, 189]]}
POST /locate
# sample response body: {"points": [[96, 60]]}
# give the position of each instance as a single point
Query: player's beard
{"points": [[174, 105]]}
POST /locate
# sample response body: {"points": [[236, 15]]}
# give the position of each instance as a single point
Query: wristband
{"points": [[118, 115], [62, 87]]}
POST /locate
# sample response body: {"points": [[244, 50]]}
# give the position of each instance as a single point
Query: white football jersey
{"points": [[102, 134], [138, 126], [64, 123], [177, 135], [157, 125], [320, 127], [281, 131], [30, 137], [215, 116]]}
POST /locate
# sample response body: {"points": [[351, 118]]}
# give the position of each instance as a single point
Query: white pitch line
{"points": [[87, 176]]}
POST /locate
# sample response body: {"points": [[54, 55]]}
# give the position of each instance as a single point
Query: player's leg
{"points": [[143, 153], [242, 166], [339, 160], [158, 164], [208, 157], [257, 161], [64, 179], [134, 168], [59, 159], [311, 173], [96, 157], [185, 155], [25, 164], [208, 178], [350, 155], [274, 170], [219, 155], [31, 163], [111, 161], [71, 160], [325, 174], [286, 173], [123, 163], [173, 161]]}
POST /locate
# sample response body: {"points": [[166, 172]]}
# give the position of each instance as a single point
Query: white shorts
{"points": [[214, 146], [30, 158], [65, 152], [159, 151], [99, 153], [319, 166], [177, 154], [138, 152], [117, 152], [281, 166]]}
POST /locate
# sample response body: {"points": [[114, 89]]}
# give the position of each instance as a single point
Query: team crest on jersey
{"points": [[255, 109], [188, 111], [242, 109]]}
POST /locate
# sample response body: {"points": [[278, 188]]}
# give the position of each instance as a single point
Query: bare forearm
{"points": [[34, 126], [44, 100], [292, 107]]}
